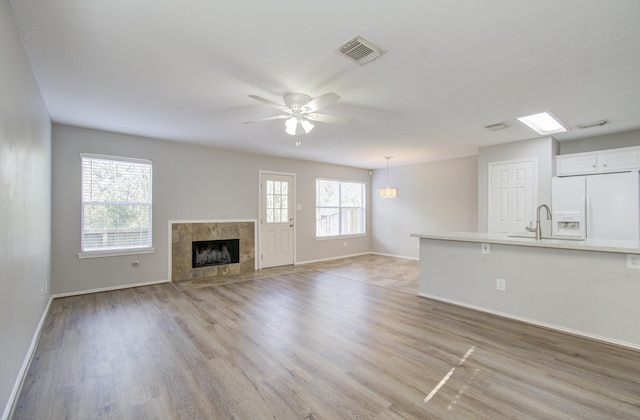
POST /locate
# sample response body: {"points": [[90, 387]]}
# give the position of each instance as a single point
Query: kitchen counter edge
{"points": [[601, 245]]}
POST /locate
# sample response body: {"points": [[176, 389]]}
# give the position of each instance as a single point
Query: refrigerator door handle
{"points": [[588, 216]]}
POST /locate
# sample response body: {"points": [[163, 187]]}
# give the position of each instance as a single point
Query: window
{"points": [[339, 208], [277, 201], [116, 204]]}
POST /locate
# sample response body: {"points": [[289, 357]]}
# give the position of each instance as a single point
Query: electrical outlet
{"points": [[633, 261], [486, 249], [501, 284], [345, 244]]}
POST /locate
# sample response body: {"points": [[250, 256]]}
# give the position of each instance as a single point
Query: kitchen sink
{"points": [[547, 237]]}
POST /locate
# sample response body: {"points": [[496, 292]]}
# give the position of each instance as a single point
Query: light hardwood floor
{"points": [[341, 339]]}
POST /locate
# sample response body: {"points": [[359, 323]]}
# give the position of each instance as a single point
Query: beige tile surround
{"points": [[183, 234]]}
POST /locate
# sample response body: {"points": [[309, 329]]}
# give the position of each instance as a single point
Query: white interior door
{"points": [[276, 219], [512, 195]]}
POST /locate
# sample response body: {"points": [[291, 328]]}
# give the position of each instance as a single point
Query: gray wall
{"points": [[544, 149], [190, 182], [436, 196], [591, 144], [25, 196]]}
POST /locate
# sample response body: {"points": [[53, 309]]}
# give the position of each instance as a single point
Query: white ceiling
{"points": [[182, 70]]}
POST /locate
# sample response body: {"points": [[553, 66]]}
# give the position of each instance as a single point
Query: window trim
{"points": [[345, 236], [115, 253], [98, 253], [363, 207]]}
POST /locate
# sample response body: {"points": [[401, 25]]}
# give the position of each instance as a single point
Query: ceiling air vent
{"points": [[496, 127], [593, 124], [360, 50]]}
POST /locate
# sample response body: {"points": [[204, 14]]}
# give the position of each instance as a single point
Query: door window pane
{"points": [[277, 204]]}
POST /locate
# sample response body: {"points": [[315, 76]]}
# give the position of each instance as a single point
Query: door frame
{"points": [[490, 165], [262, 172]]}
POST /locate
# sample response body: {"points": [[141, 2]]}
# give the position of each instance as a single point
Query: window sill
{"points": [[115, 253], [328, 238]]}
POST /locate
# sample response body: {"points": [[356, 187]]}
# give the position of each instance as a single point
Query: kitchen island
{"points": [[582, 287]]}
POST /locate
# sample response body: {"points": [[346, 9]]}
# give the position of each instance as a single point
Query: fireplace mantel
{"points": [[182, 233]]}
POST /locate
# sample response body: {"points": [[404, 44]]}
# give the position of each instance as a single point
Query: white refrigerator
{"points": [[605, 206]]}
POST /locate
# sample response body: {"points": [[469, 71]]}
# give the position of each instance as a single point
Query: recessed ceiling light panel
{"points": [[543, 123]]}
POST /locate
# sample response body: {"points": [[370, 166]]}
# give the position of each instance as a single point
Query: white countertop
{"points": [[602, 245]]}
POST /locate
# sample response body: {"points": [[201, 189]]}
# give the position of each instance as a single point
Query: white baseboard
{"points": [[108, 289], [355, 255], [553, 327], [331, 258], [17, 386], [395, 256]]}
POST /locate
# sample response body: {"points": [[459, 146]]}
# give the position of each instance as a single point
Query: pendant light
{"points": [[388, 192]]}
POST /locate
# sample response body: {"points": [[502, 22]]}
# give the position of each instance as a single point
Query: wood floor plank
{"points": [[337, 339]]}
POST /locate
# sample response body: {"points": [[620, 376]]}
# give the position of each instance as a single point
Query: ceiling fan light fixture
{"points": [[291, 125], [295, 126], [306, 125], [300, 111]]}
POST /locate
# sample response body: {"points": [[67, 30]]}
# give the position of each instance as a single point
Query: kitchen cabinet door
{"points": [[616, 161], [576, 164]]}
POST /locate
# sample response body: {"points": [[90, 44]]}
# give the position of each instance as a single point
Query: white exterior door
{"points": [[276, 219], [512, 195]]}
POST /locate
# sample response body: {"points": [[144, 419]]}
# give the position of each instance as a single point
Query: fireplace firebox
{"points": [[215, 252]]}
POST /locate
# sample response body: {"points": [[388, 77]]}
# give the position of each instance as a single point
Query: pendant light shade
{"points": [[388, 192]]}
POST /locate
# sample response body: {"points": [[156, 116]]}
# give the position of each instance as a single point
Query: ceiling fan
{"points": [[300, 111]]}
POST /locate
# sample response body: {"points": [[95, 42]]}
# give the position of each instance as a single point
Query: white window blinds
{"points": [[116, 203]]}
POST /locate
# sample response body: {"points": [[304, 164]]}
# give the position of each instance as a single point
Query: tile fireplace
{"points": [[208, 249]]}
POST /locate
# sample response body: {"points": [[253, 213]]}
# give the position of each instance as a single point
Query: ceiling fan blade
{"points": [[276, 117], [321, 102], [325, 118], [270, 103]]}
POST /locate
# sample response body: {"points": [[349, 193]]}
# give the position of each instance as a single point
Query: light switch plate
{"points": [[486, 249]]}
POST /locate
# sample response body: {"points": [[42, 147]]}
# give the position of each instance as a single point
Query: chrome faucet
{"points": [[538, 228]]}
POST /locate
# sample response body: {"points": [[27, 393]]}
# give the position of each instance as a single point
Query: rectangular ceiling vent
{"points": [[360, 50], [599, 123], [496, 127]]}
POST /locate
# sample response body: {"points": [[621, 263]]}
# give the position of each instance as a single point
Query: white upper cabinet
{"points": [[619, 160], [576, 164], [614, 160]]}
